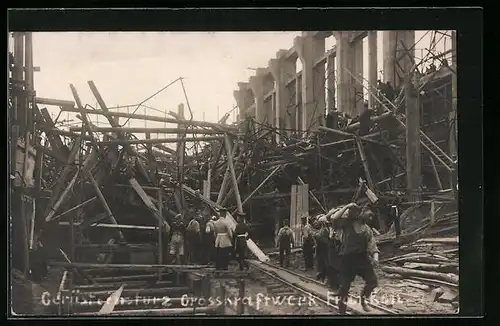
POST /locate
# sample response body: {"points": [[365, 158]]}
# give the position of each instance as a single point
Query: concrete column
{"points": [[389, 55], [309, 50], [357, 70], [257, 85], [372, 66], [413, 154], [281, 69], [396, 61], [344, 61], [242, 99], [298, 104], [330, 81]]}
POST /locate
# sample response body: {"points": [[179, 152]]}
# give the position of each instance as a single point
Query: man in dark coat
{"points": [[284, 242], [359, 253], [240, 242]]}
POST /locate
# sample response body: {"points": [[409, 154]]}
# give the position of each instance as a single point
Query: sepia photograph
{"points": [[233, 173]]}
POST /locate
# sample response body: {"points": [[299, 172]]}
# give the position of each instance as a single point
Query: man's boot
{"points": [[364, 304], [342, 306]]}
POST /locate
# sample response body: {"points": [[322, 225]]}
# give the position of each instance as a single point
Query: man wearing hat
{"points": [[223, 245], [240, 241], [307, 244], [284, 242], [358, 252], [209, 238], [177, 239]]}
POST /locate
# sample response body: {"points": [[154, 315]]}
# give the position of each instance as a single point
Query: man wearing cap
{"points": [[209, 239], [193, 238], [284, 242], [240, 241], [358, 251], [223, 245], [177, 240], [321, 237], [307, 244]]}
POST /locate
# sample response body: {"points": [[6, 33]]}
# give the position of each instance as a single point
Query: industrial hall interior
{"points": [[318, 177]]}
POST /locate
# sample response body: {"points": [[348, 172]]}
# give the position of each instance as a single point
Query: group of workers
{"points": [[217, 240], [344, 247]]}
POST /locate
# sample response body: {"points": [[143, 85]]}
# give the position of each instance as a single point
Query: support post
{"points": [[413, 153], [160, 232], [372, 64], [233, 174], [330, 81], [453, 113]]}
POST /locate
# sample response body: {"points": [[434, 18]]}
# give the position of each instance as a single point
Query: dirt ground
{"points": [[392, 292]]}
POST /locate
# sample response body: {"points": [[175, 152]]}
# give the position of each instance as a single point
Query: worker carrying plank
{"points": [[358, 251]]}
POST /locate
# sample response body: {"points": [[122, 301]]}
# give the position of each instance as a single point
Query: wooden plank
{"points": [[54, 102], [104, 203], [111, 302], [300, 181], [149, 204], [54, 140], [154, 118]]}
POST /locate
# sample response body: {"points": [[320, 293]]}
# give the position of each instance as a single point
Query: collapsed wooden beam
{"points": [[126, 266], [113, 226], [151, 130], [157, 141], [149, 204], [347, 134], [153, 118], [269, 176], [54, 140], [61, 132], [225, 180], [103, 202], [233, 174], [74, 208], [377, 118], [54, 102]]}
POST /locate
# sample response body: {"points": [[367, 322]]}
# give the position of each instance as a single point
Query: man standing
{"points": [[223, 245], [308, 245], [209, 239], [359, 252], [240, 241], [193, 238], [285, 242], [177, 240], [321, 237]]}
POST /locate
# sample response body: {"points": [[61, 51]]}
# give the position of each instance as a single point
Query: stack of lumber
{"points": [[430, 264]]}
